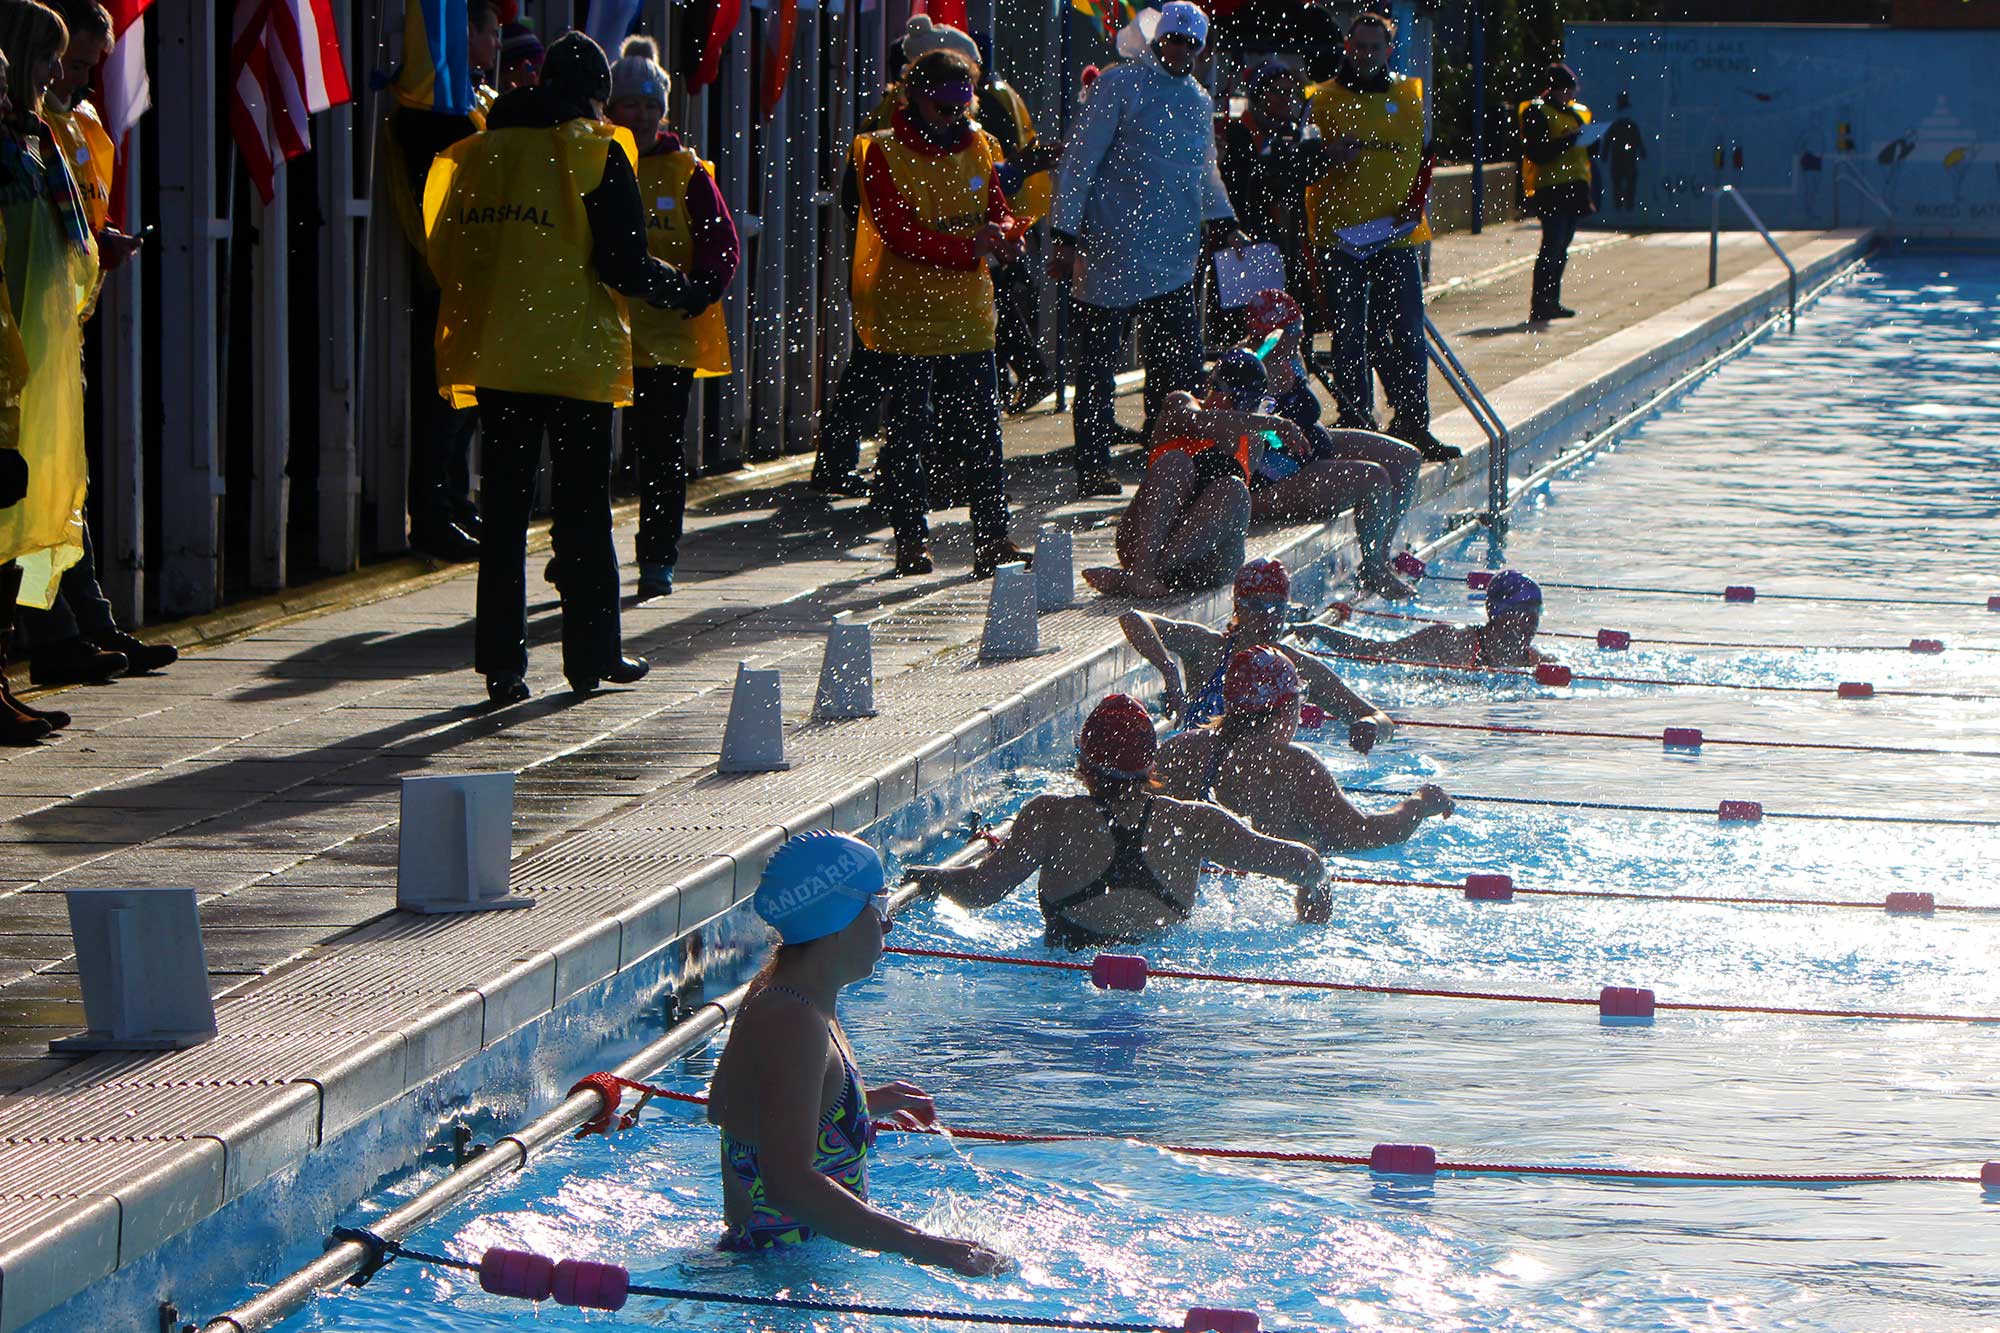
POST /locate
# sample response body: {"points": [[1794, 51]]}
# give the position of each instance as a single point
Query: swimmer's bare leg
{"points": [[1209, 536], [1142, 533], [1319, 492]]}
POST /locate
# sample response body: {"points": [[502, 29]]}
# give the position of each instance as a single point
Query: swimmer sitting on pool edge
{"points": [[796, 1121], [1513, 614], [1121, 863]]}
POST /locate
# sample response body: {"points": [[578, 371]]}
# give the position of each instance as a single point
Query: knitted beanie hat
{"points": [[575, 67], [925, 36], [637, 72]]}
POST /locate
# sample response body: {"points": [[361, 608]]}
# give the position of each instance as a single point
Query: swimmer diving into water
{"points": [[796, 1120], [1122, 863]]}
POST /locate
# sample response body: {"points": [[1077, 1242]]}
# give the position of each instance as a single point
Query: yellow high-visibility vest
{"points": [[92, 158], [901, 306], [668, 337], [509, 241], [1574, 164], [1376, 184]]}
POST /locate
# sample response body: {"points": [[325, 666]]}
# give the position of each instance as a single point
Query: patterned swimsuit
{"points": [[841, 1155]]}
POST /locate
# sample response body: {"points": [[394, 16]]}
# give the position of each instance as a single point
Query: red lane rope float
{"points": [[1551, 674], [1748, 811], [1914, 646], [1690, 738], [1476, 885], [1146, 972]]}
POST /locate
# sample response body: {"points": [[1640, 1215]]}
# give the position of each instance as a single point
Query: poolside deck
{"points": [[263, 771]]}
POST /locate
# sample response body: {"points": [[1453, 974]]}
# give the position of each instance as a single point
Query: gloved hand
{"points": [[698, 299], [673, 294], [13, 477]]}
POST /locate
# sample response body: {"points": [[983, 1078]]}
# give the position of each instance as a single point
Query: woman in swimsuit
{"points": [[1182, 651], [796, 1120], [1248, 761], [1186, 528], [1122, 863], [1362, 470], [1513, 614]]}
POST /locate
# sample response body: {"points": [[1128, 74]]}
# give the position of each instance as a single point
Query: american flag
{"points": [[286, 59]]}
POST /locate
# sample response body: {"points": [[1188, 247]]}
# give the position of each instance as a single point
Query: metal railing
{"points": [[1844, 171], [1499, 442], [1715, 198]]}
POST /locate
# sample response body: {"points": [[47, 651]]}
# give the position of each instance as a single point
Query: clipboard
{"points": [[1365, 238], [1241, 274]]}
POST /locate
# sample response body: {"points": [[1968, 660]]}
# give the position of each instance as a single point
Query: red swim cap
{"points": [[1258, 680], [1272, 309], [1117, 739], [1264, 581]]}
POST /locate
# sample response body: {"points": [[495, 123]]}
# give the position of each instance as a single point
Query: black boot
{"points": [[74, 662]]}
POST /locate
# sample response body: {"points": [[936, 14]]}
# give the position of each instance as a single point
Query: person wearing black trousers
{"points": [[534, 224], [1557, 181]]}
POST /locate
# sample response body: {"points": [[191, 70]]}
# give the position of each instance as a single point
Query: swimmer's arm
{"points": [[1166, 644], [1338, 640], [1000, 871], [1338, 826], [1234, 844], [791, 1075], [1228, 841], [1177, 418], [1325, 688], [1220, 424]]}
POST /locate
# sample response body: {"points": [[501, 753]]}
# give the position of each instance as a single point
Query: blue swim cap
{"points": [[1240, 374], [1511, 590], [817, 883]]}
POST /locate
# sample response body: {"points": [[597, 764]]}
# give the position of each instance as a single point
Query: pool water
{"points": [[1860, 456]]}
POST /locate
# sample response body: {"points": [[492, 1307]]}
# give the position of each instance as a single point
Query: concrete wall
{"points": [[1801, 119], [1451, 196]]}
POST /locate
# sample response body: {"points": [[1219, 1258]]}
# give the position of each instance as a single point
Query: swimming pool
{"points": [[1882, 483]]}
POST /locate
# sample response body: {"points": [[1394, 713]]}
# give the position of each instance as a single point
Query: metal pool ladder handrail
{"points": [[1498, 441], [1844, 171], [1715, 197]]}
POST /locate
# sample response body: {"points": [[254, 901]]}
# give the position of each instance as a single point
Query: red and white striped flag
{"points": [[124, 93], [287, 65], [127, 93]]}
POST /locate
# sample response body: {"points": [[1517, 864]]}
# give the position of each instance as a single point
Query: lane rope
{"points": [[1679, 643], [1302, 1156], [1725, 594], [382, 1250], [1709, 811], [1436, 992], [1529, 673], [1696, 741], [1632, 895]]}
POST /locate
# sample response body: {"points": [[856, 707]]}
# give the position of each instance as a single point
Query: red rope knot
{"points": [[612, 1089]]}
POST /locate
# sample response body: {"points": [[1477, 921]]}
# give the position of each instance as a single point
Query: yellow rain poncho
{"points": [[50, 262]]}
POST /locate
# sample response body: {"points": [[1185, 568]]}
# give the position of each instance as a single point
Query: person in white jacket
{"points": [[1138, 190]]}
